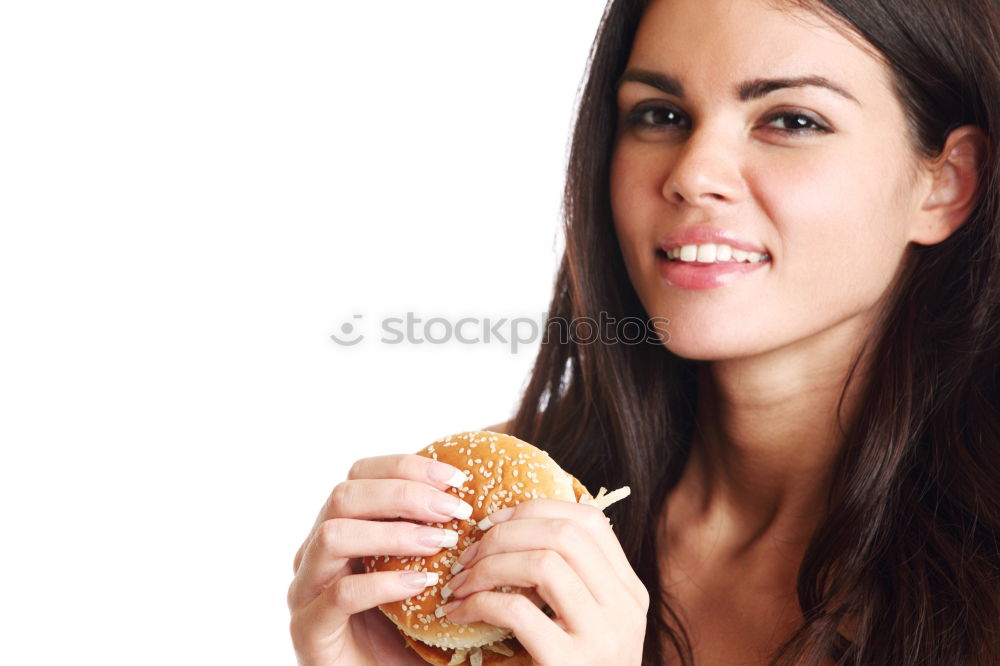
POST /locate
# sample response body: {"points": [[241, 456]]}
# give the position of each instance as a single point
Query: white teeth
{"points": [[715, 252], [706, 253]]}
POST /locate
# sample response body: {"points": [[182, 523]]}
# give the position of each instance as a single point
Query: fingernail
{"points": [[454, 477], [441, 611], [453, 585], [436, 538], [452, 506], [465, 558], [419, 579], [495, 517]]}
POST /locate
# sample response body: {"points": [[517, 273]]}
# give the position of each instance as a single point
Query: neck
{"points": [[766, 440]]}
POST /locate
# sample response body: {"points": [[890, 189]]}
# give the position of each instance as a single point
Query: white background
{"points": [[194, 195]]}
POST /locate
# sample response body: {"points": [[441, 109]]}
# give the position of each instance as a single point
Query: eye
{"points": [[797, 123], [653, 117], [662, 118]]}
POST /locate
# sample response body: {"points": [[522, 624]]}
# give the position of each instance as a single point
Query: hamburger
{"points": [[500, 471]]}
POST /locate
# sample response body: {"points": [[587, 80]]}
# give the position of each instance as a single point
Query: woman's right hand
{"points": [[333, 603]]}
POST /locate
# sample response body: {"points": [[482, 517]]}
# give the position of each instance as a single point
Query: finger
{"points": [[545, 570], [407, 466], [572, 542], [395, 498], [314, 624], [544, 641], [596, 523], [388, 499], [338, 540]]}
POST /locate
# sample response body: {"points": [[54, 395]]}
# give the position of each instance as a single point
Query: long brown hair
{"points": [[910, 549]]}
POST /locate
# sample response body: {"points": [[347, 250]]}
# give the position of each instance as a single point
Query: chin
{"points": [[701, 353], [722, 344]]}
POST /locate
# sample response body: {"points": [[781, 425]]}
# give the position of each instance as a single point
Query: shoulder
{"points": [[507, 427], [503, 428]]}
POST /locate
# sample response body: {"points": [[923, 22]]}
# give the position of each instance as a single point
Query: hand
{"points": [[333, 602], [570, 554]]}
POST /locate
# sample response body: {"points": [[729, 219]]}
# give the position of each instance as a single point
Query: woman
{"points": [[812, 450]]}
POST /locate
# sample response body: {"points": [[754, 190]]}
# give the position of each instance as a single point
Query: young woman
{"points": [[809, 193]]}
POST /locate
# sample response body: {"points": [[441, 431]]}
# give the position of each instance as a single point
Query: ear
{"points": [[952, 180]]}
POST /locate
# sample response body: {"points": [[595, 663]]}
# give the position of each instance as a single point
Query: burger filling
{"points": [[475, 655]]}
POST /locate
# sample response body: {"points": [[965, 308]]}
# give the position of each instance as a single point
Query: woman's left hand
{"points": [[570, 555]]}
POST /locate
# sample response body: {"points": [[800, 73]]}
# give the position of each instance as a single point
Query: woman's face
{"points": [[818, 179]]}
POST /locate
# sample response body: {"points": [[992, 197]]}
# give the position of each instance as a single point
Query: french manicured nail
{"points": [[436, 538], [495, 517], [444, 472], [441, 611], [453, 585], [465, 558], [419, 579], [452, 506]]}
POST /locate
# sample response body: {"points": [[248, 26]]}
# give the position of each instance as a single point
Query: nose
{"points": [[706, 170]]}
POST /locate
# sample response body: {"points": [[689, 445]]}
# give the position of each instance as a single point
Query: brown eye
{"points": [[797, 123], [653, 117]]}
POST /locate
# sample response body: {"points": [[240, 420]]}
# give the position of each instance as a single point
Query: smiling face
{"points": [[823, 181]]}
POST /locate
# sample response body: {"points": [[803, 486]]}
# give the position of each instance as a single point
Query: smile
{"points": [[712, 253], [705, 267]]}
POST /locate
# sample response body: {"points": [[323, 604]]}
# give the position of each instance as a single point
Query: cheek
{"points": [[633, 190], [621, 187], [838, 223]]}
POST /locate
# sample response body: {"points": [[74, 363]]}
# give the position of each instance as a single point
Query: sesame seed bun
{"points": [[500, 471], [441, 657]]}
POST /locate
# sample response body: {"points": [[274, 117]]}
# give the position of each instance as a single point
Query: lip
{"points": [[704, 276], [702, 234], [694, 275]]}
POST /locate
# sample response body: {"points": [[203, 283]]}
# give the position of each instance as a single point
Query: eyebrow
{"points": [[744, 91]]}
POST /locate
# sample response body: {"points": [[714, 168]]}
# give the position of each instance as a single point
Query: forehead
{"points": [[719, 41]]}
